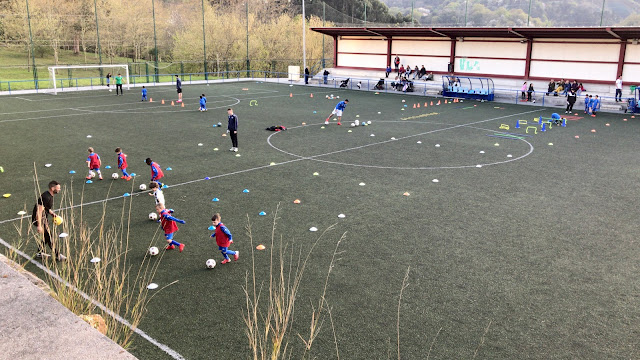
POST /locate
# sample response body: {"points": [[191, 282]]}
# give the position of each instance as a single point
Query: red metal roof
{"points": [[622, 33]]}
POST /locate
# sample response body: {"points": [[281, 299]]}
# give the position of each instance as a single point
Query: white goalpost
{"points": [[53, 69]]}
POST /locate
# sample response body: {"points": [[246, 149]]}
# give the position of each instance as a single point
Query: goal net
{"points": [[86, 77]]}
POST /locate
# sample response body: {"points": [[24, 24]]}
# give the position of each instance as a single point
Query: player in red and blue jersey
{"points": [[169, 226], [338, 111], [224, 239], [93, 162], [122, 164], [156, 171]]}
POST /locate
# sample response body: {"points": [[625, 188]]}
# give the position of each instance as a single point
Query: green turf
{"points": [[531, 257]]}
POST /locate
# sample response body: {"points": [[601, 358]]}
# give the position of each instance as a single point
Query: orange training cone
{"points": [[425, 104], [150, 99], [181, 104], [290, 94], [311, 95], [438, 102], [414, 106], [162, 101], [418, 104], [431, 103], [445, 101], [172, 104]]}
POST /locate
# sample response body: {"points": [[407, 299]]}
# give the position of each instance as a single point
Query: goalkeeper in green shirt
{"points": [[119, 84]]}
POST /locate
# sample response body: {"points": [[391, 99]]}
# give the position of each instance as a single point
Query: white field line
{"points": [[174, 354]]}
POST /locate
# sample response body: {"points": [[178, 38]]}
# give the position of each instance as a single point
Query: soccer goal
{"points": [[85, 76]]}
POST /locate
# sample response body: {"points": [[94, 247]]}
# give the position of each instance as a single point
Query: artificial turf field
{"points": [[531, 255]]}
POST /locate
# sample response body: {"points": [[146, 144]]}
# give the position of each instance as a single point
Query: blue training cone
{"points": [[72, 172], [89, 181], [540, 120], [245, 191], [262, 213], [133, 174], [215, 199], [207, 178], [543, 127], [517, 124], [169, 169], [126, 194], [165, 186], [212, 227], [108, 167], [564, 122]]}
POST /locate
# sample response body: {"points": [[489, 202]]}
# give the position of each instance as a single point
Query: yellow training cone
{"points": [[260, 247], [6, 195]]}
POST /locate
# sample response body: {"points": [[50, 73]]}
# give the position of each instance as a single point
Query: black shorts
{"points": [[179, 91]]}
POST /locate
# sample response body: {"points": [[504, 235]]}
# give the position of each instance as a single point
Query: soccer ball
{"points": [[153, 216], [210, 264], [92, 174], [115, 176], [364, 123], [534, 100], [143, 187], [110, 90], [353, 124], [153, 251], [369, 122], [357, 122], [57, 220]]}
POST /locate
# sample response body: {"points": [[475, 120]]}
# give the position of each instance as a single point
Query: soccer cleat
{"points": [[231, 149], [235, 149], [170, 247], [88, 178], [326, 122], [61, 257], [100, 177], [339, 124], [42, 255], [128, 178], [225, 261], [236, 256], [181, 247]]}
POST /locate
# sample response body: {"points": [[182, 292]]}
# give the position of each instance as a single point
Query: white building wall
{"points": [[363, 61], [586, 51], [570, 70], [513, 50]]}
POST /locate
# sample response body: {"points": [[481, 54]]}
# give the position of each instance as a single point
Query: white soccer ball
{"points": [[357, 122], [153, 251], [92, 173], [534, 100], [211, 263], [110, 90], [369, 122], [153, 216], [115, 176], [143, 187], [353, 124]]}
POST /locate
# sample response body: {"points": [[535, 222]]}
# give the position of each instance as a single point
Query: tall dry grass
{"points": [[270, 303], [114, 287]]}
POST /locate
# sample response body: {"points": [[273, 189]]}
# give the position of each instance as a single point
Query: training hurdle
{"points": [[504, 127], [535, 129]]}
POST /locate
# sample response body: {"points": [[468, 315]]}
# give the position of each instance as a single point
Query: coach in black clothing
{"points": [[40, 219]]}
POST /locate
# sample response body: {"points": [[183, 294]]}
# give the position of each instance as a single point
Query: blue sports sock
{"points": [[124, 172], [173, 242]]}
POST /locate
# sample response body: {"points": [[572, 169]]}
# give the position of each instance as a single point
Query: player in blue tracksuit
{"points": [[592, 104], [595, 106], [555, 119], [144, 93], [338, 111], [203, 103], [586, 103]]}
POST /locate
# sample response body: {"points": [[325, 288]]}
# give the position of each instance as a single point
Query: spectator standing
{"points": [[396, 62], [619, 89], [530, 92], [232, 129], [388, 71], [523, 90], [39, 218], [325, 76], [306, 76], [571, 100]]}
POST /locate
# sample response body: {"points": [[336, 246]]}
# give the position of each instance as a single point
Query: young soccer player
{"points": [[338, 111], [179, 88], [555, 119], [586, 103], [223, 239], [157, 193], [156, 171], [122, 164], [169, 226], [93, 162], [108, 81], [595, 106], [144, 93], [203, 103], [232, 129]]}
